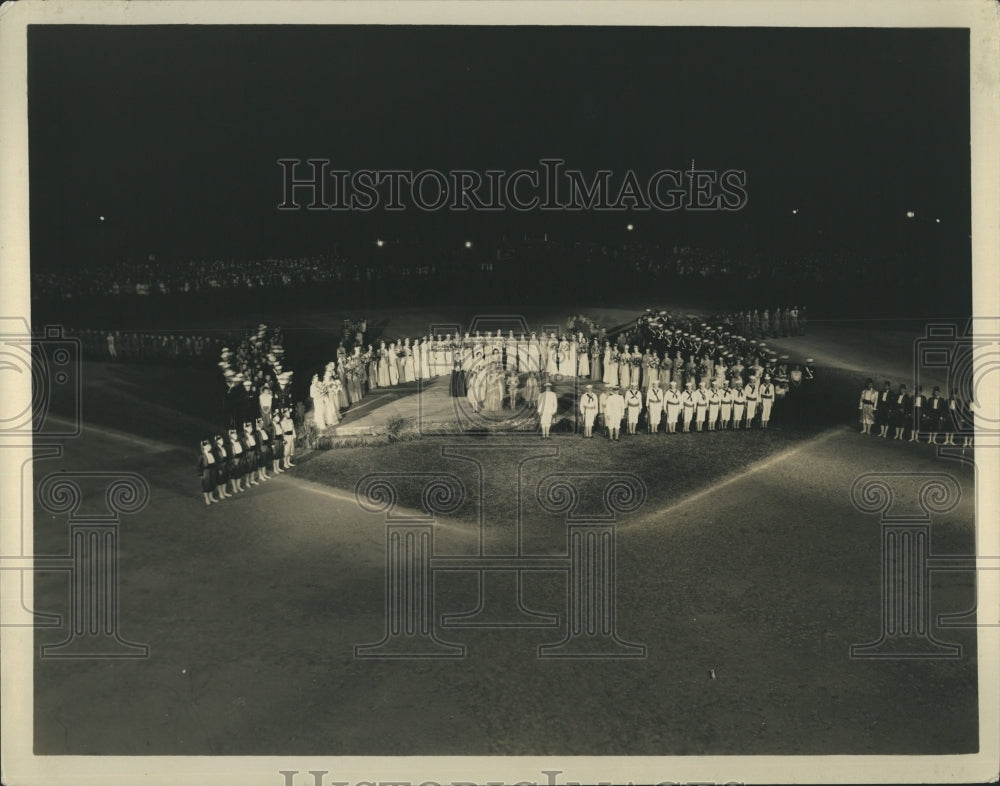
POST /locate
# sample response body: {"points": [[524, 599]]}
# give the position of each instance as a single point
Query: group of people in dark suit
{"points": [[920, 414], [232, 462]]}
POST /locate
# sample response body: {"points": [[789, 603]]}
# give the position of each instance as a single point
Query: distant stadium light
{"points": [[910, 214]]}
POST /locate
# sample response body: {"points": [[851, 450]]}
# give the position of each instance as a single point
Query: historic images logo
{"points": [[312, 184]]}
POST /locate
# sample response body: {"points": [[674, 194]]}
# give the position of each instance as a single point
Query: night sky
{"points": [[173, 133]]}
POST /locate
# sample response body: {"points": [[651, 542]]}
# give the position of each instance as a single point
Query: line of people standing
{"points": [[902, 411]]}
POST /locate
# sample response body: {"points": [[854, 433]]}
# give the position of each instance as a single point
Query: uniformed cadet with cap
{"points": [[237, 464], [222, 466], [766, 400], [209, 472], [251, 452], [687, 403], [673, 401], [751, 395], [602, 407], [588, 409], [701, 405], [654, 406], [277, 435], [633, 406], [725, 405], [739, 404], [614, 412], [714, 402], [547, 405], [264, 452]]}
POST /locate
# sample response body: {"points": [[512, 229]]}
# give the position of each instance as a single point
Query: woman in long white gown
{"points": [[318, 397], [610, 367], [393, 365], [383, 366]]}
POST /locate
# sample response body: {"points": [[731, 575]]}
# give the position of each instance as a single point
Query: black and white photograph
{"points": [[480, 392]]}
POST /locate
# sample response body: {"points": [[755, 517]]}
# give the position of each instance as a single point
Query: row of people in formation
{"points": [[231, 463], [920, 414], [707, 407]]}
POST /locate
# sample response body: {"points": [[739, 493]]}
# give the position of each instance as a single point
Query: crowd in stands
{"points": [[415, 263]]}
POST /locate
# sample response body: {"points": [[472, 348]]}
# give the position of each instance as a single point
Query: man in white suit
{"points": [[614, 412], [547, 406]]}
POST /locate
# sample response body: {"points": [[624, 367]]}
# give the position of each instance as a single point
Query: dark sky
{"points": [[173, 133]]}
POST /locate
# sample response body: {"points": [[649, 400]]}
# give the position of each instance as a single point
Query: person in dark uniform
{"points": [[208, 468], [934, 412], [902, 410], [250, 453], [221, 466], [264, 453], [237, 466], [288, 429], [277, 435], [882, 409], [950, 421]]}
